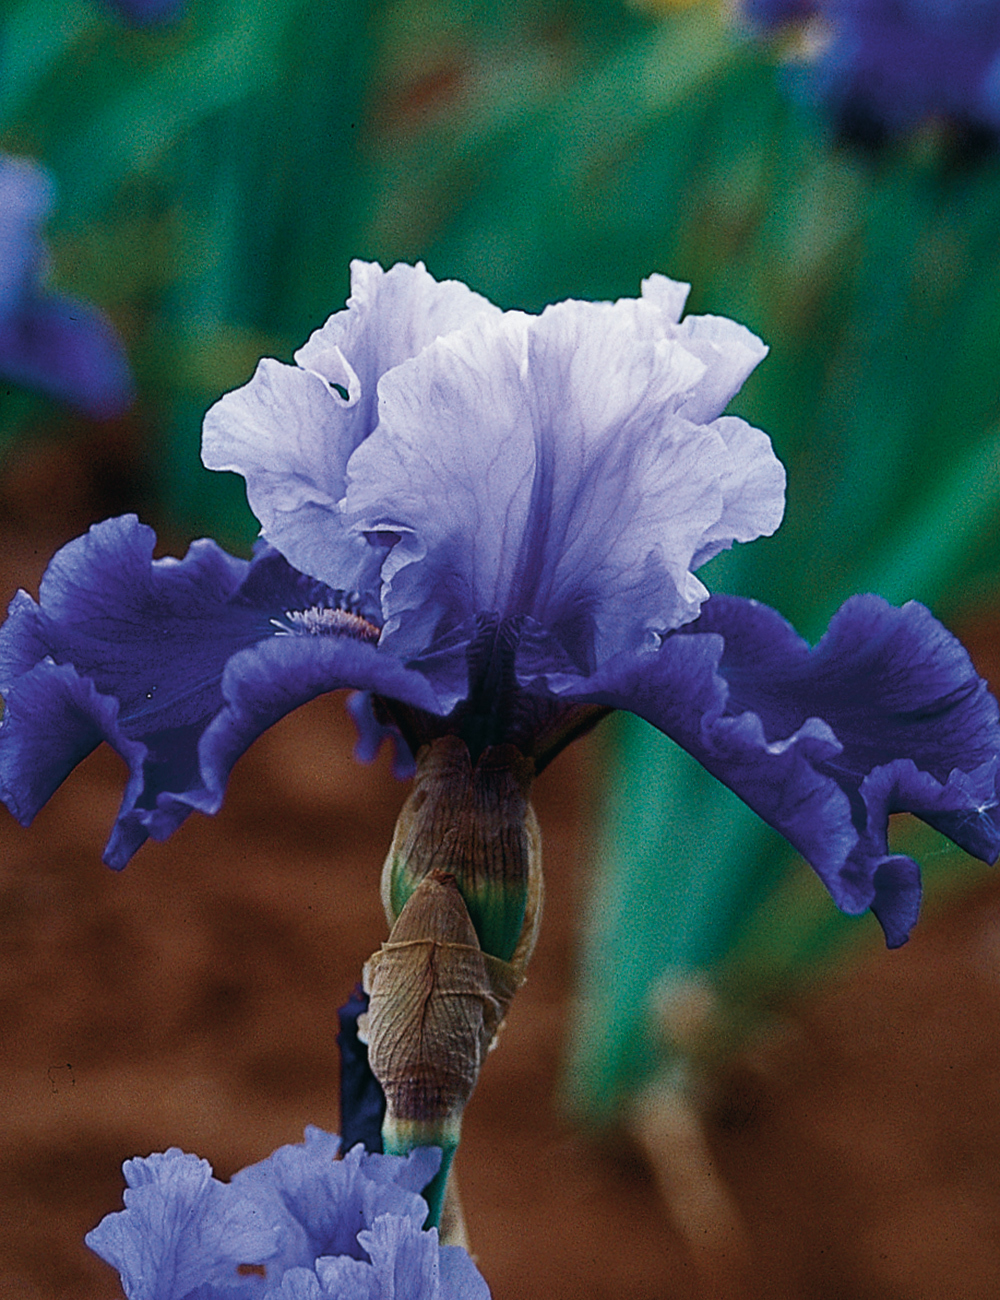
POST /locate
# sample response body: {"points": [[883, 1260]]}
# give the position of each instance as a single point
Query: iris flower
{"points": [[489, 524], [50, 342], [146, 13], [300, 1225], [886, 65]]}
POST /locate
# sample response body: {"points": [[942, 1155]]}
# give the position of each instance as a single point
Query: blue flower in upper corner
{"points": [[886, 65], [145, 13], [300, 1225], [49, 342], [489, 524]]}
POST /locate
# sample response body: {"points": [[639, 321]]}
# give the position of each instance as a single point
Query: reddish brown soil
{"points": [[191, 1001]]}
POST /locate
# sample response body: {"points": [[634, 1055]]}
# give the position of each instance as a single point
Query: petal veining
{"points": [[291, 429], [544, 466]]}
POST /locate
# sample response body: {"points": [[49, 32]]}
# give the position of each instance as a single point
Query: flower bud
{"points": [[436, 1002]]}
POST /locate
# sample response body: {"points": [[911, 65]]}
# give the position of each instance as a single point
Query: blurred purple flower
{"points": [[300, 1225], [521, 502], [145, 13], [50, 342], [890, 64]]}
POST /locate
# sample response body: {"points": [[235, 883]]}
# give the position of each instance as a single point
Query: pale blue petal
{"points": [[730, 352], [300, 1284], [181, 1229], [667, 296], [290, 433], [539, 467], [753, 490], [291, 429], [460, 1279], [333, 1199], [404, 1259], [347, 1279], [390, 316]]}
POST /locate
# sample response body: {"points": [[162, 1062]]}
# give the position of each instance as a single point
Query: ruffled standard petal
{"points": [[409, 1264], [404, 1259], [179, 664], [540, 467], [293, 1227], [885, 715], [181, 1230], [291, 430], [289, 433], [753, 490], [390, 316], [730, 351], [328, 1200], [303, 1284], [300, 1225]]}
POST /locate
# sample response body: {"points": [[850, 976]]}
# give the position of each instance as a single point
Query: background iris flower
{"points": [[496, 519], [300, 1225], [147, 12], [886, 65], [55, 344]]}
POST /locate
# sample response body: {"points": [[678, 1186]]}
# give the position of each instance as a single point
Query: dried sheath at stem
{"points": [[437, 1000]]}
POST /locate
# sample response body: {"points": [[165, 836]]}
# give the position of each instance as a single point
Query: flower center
{"points": [[319, 620]]}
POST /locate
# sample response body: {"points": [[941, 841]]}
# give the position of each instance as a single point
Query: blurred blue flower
{"points": [[47, 341], [889, 64], [496, 519], [144, 13], [300, 1225]]}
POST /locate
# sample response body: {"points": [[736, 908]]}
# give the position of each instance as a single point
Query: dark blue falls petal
{"points": [[154, 634], [372, 734], [892, 682], [52, 721], [263, 683], [885, 715], [176, 663]]}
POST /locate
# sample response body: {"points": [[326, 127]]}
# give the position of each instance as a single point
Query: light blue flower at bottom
{"points": [[300, 1225]]}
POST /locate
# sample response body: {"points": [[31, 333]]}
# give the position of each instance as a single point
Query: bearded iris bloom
{"points": [[300, 1225], [489, 523], [50, 342], [886, 65]]}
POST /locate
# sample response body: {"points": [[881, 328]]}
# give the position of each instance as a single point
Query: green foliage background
{"points": [[217, 175]]}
